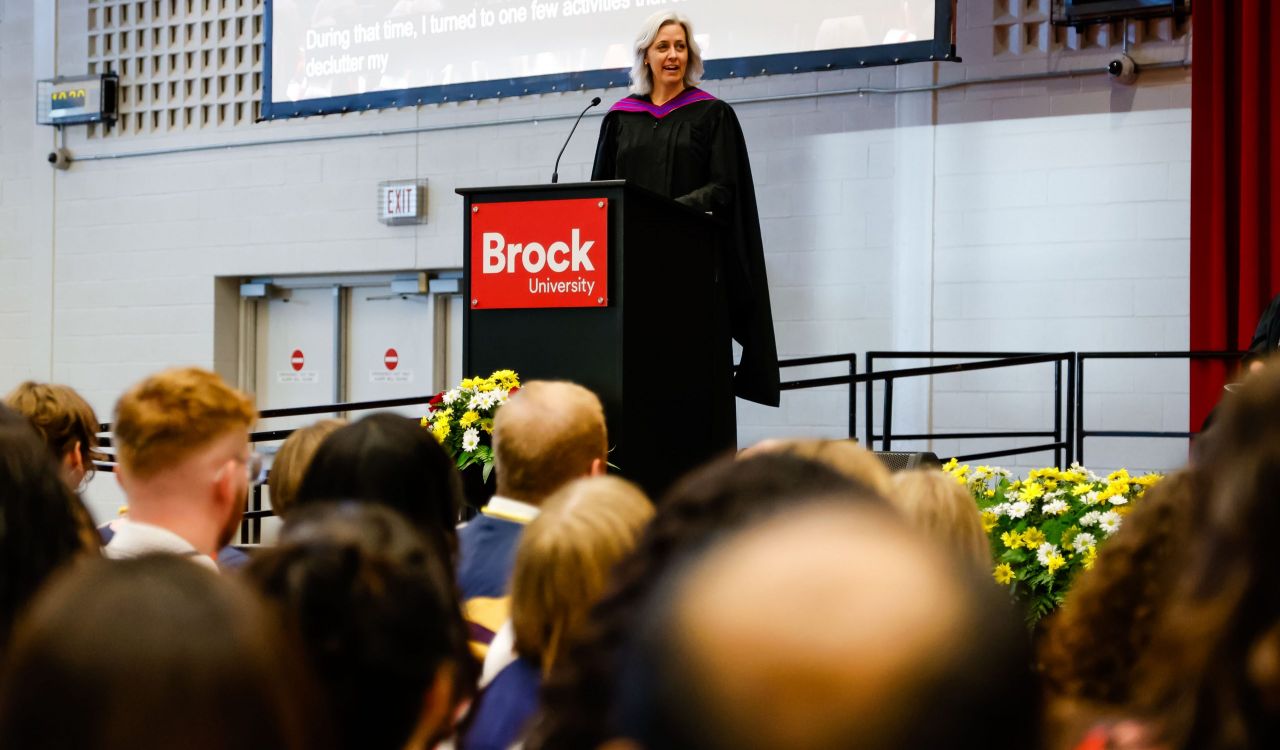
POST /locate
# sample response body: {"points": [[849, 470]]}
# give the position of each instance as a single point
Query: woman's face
{"points": [[668, 56]]}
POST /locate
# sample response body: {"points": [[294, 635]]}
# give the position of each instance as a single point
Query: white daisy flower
{"points": [[1056, 507], [1090, 518], [1090, 498], [470, 440], [1118, 499], [1045, 551], [1109, 522], [1019, 509], [451, 396], [1083, 541]]}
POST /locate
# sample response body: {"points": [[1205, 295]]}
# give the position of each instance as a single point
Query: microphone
{"points": [[555, 173]]}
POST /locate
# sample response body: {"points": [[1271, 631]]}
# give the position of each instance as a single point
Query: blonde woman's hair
{"points": [[941, 508], [641, 77], [845, 456], [293, 458], [566, 557]]}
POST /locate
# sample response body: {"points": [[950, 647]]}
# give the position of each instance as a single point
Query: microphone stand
{"points": [[555, 173]]}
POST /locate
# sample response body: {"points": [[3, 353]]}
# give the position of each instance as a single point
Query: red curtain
{"points": [[1235, 182]]}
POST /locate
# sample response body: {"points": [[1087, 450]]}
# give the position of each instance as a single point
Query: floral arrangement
{"points": [[1047, 528], [462, 418]]}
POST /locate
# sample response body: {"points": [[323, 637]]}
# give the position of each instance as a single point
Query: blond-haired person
{"points": [[563, 565], [291, 462], [845, 456], [546, 435], [940, 507], [185, 464]]}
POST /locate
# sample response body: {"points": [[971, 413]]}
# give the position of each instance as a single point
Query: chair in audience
{"points": [[372, 602], [563, 565], [154, 653]]}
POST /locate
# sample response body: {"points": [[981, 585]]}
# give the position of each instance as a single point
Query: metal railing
{"points": [[1066, 437], [995, 360], [1081, 357], [852, 380]]}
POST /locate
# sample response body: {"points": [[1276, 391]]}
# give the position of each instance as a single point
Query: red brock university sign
{"points": [[540, 254]]}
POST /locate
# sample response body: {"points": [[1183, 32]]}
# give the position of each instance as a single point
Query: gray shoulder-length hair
{"points": [[641, 77]]}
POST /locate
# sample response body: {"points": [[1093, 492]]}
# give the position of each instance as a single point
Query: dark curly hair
{"points": [[375, 607], [578, 697], [1210, 679], [1090, 647]]}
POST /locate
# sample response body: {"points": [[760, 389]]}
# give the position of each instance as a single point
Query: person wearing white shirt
{"points": [[185, 464]]}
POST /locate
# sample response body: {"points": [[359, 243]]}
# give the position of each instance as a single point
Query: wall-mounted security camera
{"points": [[60, 159], [1123, 69]]}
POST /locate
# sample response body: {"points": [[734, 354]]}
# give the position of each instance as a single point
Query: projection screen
{"points": [[328, 56]]}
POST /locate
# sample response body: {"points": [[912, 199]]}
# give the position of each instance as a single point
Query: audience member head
{"points": [[566, 557], [578, 696], [828, 627], [845, 456], [154, 652], [373, 603], [182, 439], [291, 462], [42, 523], [1211, 677], [390, 460], [942, 509], [1089, 648], [548, 433], [66, 423]]}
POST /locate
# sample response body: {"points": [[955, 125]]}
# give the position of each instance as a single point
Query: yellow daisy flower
{"points": [[1033, 538], [989, 521], [1003, 574]]}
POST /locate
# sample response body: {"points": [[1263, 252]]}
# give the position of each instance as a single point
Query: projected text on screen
{"points": [[331, 50]]}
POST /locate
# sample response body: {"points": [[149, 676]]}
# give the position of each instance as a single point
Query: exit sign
{"points": [[402, 202]]}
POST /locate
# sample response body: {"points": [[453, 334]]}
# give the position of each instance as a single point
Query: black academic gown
{"points": [[696, 155]]}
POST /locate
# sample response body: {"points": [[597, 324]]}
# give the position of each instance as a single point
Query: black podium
{"points": [[654, 345]]}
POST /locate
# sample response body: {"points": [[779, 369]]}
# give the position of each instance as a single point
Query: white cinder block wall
{"points": [[1033, 215]]}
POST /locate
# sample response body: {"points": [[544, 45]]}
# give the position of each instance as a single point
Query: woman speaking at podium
{"points": [[681, 142]]}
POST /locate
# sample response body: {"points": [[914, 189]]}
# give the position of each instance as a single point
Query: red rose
{"points": [[435, 401]]}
